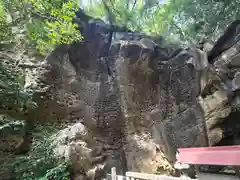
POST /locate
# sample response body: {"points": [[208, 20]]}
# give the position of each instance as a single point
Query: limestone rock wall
{"points": [[160, 106], [138, 89], [117, 108], [137, 106], [76, 88]]}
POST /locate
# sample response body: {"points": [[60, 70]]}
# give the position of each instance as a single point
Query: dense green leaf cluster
{"points": [[47, 23], [4, 28], [188, 21], [41, 163], [13, 96], [203, 19], [53, 24]]}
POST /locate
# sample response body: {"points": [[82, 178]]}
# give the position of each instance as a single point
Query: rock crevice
{"points": [[133, 109]]}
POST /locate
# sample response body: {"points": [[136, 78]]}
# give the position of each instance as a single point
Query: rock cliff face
{"points": [[134, 108]]}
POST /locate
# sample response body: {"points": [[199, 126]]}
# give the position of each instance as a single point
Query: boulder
{"points": [[76, 144]]}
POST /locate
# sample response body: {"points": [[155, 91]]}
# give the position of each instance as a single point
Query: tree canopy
{"points": [[184, 20], [46, 23]]}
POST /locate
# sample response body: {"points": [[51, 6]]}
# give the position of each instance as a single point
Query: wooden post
{"points": [[113, 173]]}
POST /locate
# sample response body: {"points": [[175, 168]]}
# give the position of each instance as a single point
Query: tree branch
{"points": [[42, 16], [134, 4]]}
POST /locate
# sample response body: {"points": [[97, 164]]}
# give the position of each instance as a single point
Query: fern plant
{"points": [[41, 163]]}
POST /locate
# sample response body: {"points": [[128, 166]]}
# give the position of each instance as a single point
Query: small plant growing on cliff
{"points": [[13, 96], [4, 29], [40, 163]]}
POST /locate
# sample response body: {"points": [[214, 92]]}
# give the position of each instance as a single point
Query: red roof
{"points": [[220, 155]]}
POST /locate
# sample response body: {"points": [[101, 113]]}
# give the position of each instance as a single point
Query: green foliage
{"points": [[130, 13], [4, 28], [10, 126], [202, 19], [188, 21], [47, 23], [40, 163], [13, 96], [54, 24]]}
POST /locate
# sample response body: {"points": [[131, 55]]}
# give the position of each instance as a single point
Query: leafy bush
{"points": [[186, 21], [4, 29], [40, 163], [47, 23], [54, 24], [13, 96], [11, 126]]}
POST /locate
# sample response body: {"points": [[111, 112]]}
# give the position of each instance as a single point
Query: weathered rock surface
{"points": [[134, 108], [77, 145], [148, 106]]}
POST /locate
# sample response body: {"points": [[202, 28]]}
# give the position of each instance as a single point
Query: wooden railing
{"points": [[140, 176]]}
